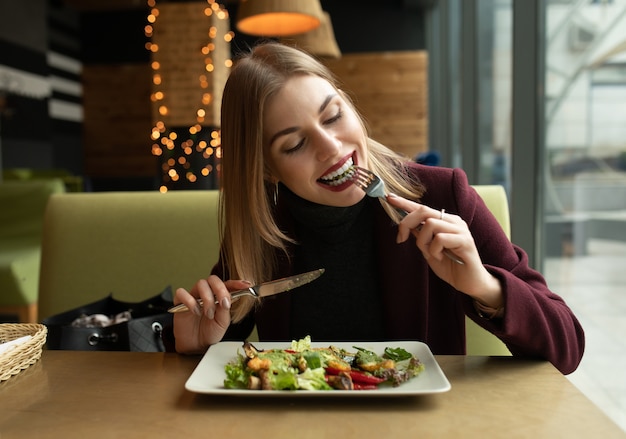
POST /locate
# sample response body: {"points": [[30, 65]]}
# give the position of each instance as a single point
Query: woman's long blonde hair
{"points": [[251, 239]]}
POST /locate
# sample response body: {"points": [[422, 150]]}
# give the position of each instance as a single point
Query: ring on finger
{"points": [[443, 211]]}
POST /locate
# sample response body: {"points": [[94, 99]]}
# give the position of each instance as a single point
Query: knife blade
{"points": [[265, 289]]}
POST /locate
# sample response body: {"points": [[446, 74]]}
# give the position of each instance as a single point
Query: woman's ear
{"points": [[269, 176]]}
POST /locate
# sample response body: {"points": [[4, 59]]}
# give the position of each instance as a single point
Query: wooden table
{"points": [[128, 395]]}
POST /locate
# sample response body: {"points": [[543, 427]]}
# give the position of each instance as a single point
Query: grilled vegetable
{"points": [[371, 362]]}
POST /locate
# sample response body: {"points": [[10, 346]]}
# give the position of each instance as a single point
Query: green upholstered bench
{"points": [[133, 244], [478, 340], [21, 221], [129, 244], [73, 183]]}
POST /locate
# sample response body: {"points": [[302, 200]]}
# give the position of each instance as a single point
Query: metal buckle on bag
{"points": [[157, 328], [96, 338]]}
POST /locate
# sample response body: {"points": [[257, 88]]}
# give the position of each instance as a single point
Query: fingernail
{"points": [[225, 302], [392, 195], [210, 313], [197, 310], [247, 282]]}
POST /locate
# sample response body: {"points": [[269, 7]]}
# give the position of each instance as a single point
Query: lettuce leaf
{"points": [[237, 377], [313, 379]]}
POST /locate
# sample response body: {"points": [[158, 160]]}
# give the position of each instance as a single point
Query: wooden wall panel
{"points": [[117, 120], [390, 89], [181, 30]]}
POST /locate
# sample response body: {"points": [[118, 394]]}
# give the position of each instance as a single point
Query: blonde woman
{"points": [[290, 136]]}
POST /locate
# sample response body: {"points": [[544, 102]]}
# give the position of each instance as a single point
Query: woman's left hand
{"points": [[435, 231]]}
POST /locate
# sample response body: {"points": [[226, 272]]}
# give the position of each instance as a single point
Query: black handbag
{"points": [[144, 331]]}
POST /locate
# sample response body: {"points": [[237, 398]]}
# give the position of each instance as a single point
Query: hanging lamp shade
{"points": [[277, 18], [320, 41]]}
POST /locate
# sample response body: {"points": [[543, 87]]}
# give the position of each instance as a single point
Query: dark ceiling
{"points": [[112, 30]]}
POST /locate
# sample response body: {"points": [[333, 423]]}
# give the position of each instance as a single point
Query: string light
{"points": [[166, 139]]}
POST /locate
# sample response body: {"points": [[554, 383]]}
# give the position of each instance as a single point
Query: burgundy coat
{"points": [[420, 306]]}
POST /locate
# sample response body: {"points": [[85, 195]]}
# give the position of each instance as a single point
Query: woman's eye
{"points": [[334, 119], [295, 148]]}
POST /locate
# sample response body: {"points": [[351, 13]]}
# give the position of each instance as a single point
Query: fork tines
{"points": [[363, 178]]}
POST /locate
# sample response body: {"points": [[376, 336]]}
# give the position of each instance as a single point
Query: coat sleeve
{"points": [[537, 322]]}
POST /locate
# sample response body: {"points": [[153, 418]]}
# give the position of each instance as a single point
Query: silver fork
{"points": [[375, 187]]}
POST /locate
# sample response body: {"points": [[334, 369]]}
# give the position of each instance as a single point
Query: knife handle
{"points": [[233, 296], [181, 307]]}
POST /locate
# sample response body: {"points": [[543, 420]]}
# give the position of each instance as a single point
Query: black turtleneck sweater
{"points": [[345, 302]]}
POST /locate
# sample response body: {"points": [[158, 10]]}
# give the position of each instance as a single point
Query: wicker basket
{"points": [[25, 354]]}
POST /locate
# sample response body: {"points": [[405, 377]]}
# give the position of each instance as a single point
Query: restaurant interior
{"points": [[527, 95]]}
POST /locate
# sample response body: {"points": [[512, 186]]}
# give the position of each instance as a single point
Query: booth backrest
{"points": [[497, 201], [129, 244], [22, 206], [134, 244], [479, 341]]}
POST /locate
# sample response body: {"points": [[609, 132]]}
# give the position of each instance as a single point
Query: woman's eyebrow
{"points": [[283, 133], [326, 102]]}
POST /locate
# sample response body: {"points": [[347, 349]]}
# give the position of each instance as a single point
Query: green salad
{"points": [[302, 367]]}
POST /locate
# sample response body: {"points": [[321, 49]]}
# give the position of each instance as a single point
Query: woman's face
{"points": [[311, 137]]}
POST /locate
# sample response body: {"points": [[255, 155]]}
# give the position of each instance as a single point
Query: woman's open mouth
{"points": [[339, 176]]}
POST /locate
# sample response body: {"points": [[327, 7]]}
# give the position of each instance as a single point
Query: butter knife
{"points": [[265, 289]]}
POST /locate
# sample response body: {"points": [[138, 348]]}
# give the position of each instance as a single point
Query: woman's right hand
{"points": [[205, 325]]}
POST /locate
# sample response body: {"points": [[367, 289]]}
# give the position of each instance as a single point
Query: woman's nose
{"points": [[327, 145]]}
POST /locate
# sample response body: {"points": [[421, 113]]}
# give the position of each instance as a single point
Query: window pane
{"points": [[494, 51], [585, 184], [585, 126]]}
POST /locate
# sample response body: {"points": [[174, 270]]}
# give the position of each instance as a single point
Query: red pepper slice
{"points": [[357, 377], [360, 377], [334, 371]]}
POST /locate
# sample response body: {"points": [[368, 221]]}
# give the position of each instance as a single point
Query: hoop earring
{"points": [[276, 195]]}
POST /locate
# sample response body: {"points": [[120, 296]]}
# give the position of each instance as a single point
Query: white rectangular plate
{"points": [[208, 377]]}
